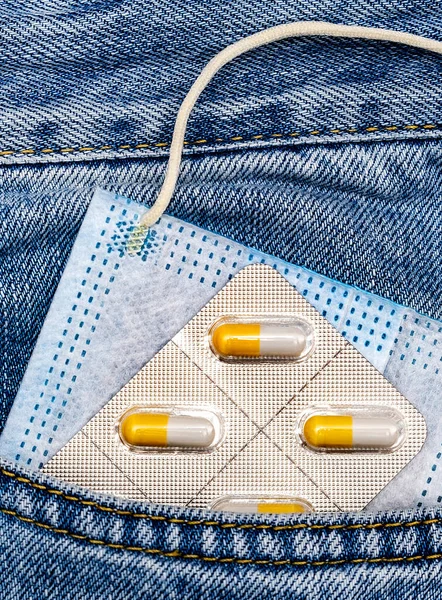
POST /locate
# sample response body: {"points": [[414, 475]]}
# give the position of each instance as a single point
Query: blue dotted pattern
{"points": [[370, 323], [123, 230], [430, 478], [329, 298], [80, 326], [425, 342], [416, 363], [202, 257]]}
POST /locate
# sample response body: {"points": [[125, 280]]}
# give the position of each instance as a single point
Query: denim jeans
{"points": [[326, 153]]}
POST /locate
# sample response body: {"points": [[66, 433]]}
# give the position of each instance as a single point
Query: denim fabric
{"points": [[112, 73], [85, 546], [323, 152], [367, 215]]}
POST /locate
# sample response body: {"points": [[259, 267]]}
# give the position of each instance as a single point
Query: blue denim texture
{"points": [[325, 153], [85, 546], [367, 215]]}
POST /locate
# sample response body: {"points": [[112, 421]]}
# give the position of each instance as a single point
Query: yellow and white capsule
{"points": [[147, 429], [233, 339], [352, 431], [261, 506]]}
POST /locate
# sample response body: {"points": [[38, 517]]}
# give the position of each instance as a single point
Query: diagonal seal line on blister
{"points": [[175, 233], [260, 429], [229, 461], [391, 463], [284, 407], [246, 445], [305, 385], [206, 376], [320, 368], [224, 467], [293, 302], [217, 386], [100, 440], [114, 464], [306, 475], [236, 454]]}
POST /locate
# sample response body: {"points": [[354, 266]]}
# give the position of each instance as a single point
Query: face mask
{"points": [[114, 310]]}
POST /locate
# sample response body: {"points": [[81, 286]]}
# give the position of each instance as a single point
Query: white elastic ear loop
{"points": [[280, 32]]}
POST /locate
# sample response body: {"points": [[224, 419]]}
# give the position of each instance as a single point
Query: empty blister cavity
{"points": [[258, 338], [260, 504], [366, 429], [172, 429]]}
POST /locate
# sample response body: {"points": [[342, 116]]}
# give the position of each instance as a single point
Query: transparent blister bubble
{"points": [[259, 338], [352, 429], [173, 429], [258, 504]]}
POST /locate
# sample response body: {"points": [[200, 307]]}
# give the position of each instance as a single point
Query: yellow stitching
{"points": [[226, 560], [207, 523], [237, 138]]}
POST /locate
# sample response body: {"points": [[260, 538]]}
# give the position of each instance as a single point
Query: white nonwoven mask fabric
{"points": [[113, 311]]}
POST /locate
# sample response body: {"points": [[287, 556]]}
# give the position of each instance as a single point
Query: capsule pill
{"points": [[161, 430], [351, 431], [259, 339]]}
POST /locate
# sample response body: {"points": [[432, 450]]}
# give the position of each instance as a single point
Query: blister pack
{"points": [[257, 405]]}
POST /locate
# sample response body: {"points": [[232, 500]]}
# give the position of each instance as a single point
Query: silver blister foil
{"points": [[261, 404]]}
